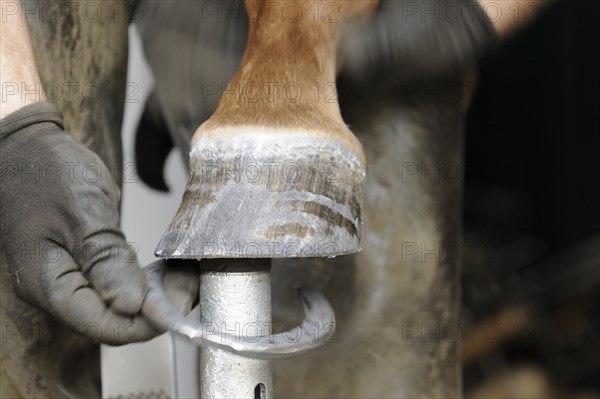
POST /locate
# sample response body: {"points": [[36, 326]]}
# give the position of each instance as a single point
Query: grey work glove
{"points": [[60, 234], [417, 39]]}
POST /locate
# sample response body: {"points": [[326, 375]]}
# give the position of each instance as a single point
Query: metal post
{"points": [[235, 298]]}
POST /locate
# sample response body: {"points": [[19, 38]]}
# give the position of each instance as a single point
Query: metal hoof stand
{"points": [[235, 330]]}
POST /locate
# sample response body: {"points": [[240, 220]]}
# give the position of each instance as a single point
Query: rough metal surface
{"points": [[238, 302]]}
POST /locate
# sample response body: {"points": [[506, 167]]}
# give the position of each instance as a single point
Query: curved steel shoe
{"points": [[314, 331]]}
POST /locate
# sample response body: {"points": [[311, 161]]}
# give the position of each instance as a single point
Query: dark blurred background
{"points": [[531, 212]]}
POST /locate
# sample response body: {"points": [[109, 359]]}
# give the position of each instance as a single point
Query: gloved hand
{"points": [[417, 39], [60, 233]]}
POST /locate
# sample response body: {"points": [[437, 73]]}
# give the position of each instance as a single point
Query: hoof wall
{"points": [[261, 197]]}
